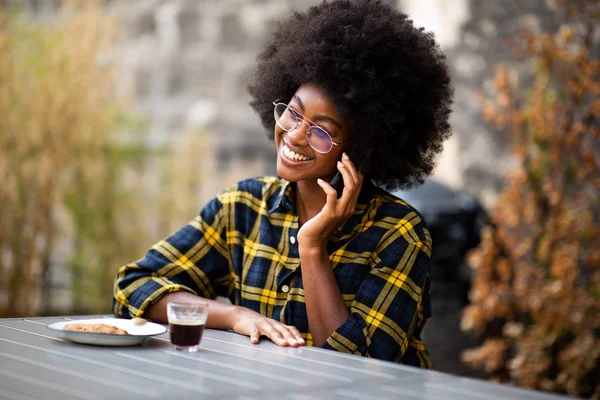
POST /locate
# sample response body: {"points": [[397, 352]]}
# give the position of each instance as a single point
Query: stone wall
{"points": [[186, 63], [474, 36]]}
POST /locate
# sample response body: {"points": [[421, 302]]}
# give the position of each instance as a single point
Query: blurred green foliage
{"points": [[67, 145]]}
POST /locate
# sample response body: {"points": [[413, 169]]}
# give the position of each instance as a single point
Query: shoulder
{"points": [[400, 232], [259, 188], [396, 214]]}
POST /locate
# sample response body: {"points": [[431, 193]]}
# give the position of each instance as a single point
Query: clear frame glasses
{"points": [[288, 119]]}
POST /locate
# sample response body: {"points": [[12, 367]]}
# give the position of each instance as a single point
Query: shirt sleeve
{"points": [[194, 259], [388, 307]]}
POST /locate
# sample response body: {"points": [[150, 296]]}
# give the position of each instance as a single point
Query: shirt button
{"points": [[285, 288], [292, 240]]}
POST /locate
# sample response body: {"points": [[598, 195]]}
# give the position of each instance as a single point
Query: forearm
{"points": [[220, 315], [324, 301]]}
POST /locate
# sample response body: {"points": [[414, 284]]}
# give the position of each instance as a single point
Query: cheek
{"points": [[277, 133], [330, 160]]}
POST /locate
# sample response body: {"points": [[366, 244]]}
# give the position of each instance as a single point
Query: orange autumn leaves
{"points": [[535, 295]]}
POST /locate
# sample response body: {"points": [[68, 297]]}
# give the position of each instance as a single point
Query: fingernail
{"points": [[340, 164], [292, 340], [319, 180], [345, 156]]}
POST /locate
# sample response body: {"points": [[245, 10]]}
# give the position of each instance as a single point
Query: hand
{"points": [[315, 233], [255, 325]]}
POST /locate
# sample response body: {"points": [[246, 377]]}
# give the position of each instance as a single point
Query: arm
{"points": [[173, 266], [324, 302], [193, 265], [389, 305], [325, 305], [228, 316], [220, 314]]}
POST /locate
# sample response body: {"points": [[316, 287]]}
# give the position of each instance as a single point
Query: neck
{"points": [[310, 199]]}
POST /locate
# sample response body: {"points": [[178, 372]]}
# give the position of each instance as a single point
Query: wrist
{"points": [[313, 250], [311, 242], [233, 315]]}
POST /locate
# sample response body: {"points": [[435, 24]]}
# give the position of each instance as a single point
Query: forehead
{"points": [[314, 98]]}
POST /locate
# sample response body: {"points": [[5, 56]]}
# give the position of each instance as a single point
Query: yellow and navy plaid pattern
{"points": [[243, 246]]}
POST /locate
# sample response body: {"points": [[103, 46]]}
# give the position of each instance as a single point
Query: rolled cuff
{"points": [[351, 337], [147, 294]]}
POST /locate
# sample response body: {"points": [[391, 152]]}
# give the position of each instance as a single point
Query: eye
{"points": [[321, 133], [294, 114]]}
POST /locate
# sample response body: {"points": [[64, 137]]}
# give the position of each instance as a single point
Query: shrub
{"points": [[536, 275], [60, 160]]}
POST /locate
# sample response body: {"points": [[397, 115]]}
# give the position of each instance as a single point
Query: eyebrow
{"points": [[318, 117]]}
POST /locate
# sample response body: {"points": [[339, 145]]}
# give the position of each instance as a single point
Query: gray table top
{"points": [[36, 363]]}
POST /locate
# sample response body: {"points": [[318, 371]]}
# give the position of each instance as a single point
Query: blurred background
{"points": [[120, 119]]}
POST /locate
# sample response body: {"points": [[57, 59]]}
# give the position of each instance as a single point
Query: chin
{"points": [[286, 174]]}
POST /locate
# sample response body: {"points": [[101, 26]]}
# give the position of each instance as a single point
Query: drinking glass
{"points": [[186, 324]]}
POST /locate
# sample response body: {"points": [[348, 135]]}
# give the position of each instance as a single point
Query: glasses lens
{"points": [[285, 117], [319, 139]]}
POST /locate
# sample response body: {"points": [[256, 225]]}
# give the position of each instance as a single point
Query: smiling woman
{"points": [[307, 150], [363, 94]]}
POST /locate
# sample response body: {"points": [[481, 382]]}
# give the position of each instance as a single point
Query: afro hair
{"points": [[388, 79]]}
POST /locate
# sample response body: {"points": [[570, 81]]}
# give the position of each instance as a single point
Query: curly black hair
{"points": [[387, 78]]}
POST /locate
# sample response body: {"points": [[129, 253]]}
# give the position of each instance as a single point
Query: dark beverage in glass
{"points": [[186, 334], [186, 324]]}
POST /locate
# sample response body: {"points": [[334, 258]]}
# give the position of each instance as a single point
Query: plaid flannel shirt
{"points": [[243, 246]]}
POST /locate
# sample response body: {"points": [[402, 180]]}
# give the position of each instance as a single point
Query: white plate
{"points": [[137, 333]]}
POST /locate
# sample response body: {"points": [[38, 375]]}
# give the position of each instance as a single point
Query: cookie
{"points": [[95, 328]]}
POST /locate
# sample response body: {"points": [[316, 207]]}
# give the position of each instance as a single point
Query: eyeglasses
{"points": [[289, 119]]}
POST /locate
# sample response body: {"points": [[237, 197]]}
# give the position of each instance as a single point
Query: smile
{"points": [[293, 156]]}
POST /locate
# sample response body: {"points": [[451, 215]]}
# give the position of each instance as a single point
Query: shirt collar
{"points": [[282, 200]]}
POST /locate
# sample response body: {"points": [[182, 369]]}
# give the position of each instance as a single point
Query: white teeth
{"points": [[293, 156]]}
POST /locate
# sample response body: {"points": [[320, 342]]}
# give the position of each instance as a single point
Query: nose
{"points": [[299, 134]]}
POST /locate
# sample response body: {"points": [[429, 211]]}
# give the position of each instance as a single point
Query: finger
{"points": [[353, 189], [255, 336], [347, 201], [272, 333], [359, 176], [349, 180], [331, 196], [296, 334], [291, 334], [287, 335], [351, 167]]}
